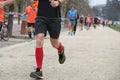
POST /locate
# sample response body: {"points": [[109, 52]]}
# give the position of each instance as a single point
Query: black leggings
{"points": [[1, 25], [75, 26]]}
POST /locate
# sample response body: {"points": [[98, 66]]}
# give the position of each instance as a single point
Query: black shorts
{"points": [[31, 25], [1, 23], [81, 21], [95, 22], [53, 26]]}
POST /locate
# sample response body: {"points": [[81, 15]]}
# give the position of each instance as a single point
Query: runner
{"points": [[95, 22], [31, 12], [103, 23], [72, 16], [4, 3], [48, 19], [76, 21], [88, 21], [81, 22]]}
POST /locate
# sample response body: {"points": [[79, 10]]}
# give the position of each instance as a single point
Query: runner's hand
{"points": [[2, 5], [54, 3]]}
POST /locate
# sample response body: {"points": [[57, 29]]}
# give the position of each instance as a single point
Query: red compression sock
{"points": [[39, 57], [59, 48]]}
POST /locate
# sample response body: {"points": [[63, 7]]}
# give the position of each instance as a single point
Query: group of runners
{"points": [[74, 19]]}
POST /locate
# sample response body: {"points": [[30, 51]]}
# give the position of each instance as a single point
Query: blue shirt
{"points": [[72, 15]]}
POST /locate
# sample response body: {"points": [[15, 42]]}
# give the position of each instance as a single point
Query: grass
{"points": [[116, 27]]}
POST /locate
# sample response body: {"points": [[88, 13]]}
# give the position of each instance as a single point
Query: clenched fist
{"points": [[54, 3]]}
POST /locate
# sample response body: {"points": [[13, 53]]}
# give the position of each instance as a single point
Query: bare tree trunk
{"points": [[19, 11], [10, 20]]}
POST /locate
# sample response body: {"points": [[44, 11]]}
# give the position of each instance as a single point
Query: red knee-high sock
{"points": [[59, 48], [39, 57]]}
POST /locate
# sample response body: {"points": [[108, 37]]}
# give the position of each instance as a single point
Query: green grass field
{"points": [[116, 27]]}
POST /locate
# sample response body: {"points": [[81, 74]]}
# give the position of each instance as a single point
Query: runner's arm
{"points": [[8, 2]]}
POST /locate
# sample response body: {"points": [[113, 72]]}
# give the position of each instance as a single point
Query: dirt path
{"points": [[91, 55]]}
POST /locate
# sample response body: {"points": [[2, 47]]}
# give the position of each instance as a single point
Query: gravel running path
{"points": [[91, 55]]}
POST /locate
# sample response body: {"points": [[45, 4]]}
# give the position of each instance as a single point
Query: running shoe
{"points": [[62, 56]]}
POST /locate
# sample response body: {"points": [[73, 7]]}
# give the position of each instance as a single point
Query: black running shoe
{"points": [[37, 74], [62, 56]]}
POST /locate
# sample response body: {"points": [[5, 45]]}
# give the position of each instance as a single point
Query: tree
{"points": [[113, 7], [19, 7], [96, 11], [81, 5]]}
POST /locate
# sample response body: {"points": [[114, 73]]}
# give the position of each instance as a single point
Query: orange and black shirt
{"points": [[31, 14]]}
